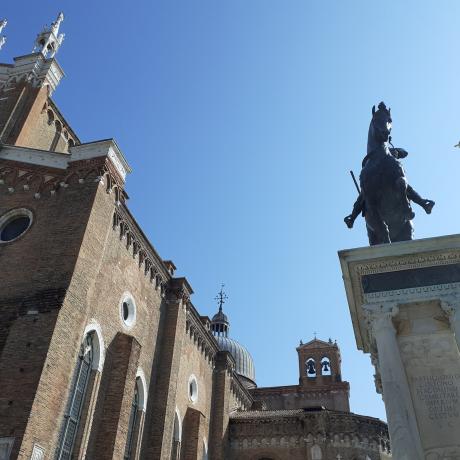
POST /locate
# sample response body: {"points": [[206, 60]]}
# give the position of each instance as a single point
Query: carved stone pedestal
{"points": [[404, 301]]}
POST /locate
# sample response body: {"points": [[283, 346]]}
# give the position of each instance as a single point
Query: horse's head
{"points": [[380, 127]]}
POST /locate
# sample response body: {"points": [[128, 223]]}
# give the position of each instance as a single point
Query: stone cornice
{"points": [[201, 337], [142, 249], [362, 263], [301, 390], [341, 429]]}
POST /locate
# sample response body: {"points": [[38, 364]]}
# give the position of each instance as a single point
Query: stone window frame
{"points": [[130, 322], [98, 349], [8, 216], [38, 452], [192, 389], [137, 420], [176, 437]]}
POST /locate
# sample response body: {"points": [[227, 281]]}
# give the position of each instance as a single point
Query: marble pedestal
{"points": [[404, 301]]}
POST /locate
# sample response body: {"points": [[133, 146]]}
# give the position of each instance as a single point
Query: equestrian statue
{"points": [[385, 195]]}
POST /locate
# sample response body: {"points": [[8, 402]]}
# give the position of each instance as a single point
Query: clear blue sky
{"points": [[241, 120]]}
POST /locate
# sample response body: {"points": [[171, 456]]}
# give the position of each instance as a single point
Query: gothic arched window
{"points": [[77, 398], [132, 421], [175, 451]]}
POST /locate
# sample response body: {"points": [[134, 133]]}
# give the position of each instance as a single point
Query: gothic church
{"points": [[102, 353]]}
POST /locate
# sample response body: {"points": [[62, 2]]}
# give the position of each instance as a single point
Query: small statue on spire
{"points": [[3, 24]]}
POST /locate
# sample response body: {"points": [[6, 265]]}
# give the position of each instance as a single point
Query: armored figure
{"points": [[385, 195]]}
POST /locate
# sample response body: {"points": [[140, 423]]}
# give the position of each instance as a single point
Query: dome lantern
{"points": [[220, 327]]}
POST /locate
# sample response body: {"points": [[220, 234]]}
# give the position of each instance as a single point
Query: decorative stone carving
{"points": [[404, 434]]}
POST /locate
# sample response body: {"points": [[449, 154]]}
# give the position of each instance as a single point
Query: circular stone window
{"points": [[14, 223], [192, 388], [128, 310]]}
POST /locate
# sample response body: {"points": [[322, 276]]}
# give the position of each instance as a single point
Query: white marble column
{"points": [[404, 433]]}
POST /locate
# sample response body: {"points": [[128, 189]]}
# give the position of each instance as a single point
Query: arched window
{"points": [[132, 422], [175, 450], [57, 135], [326, 366], [136, 417], [50, 115], [77, 398], [310, 367]]}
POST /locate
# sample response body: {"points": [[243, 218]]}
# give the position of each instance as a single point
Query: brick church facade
{"points": [[102, 353]]}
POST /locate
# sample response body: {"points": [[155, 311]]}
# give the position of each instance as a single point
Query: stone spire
{"points": [[3, 24], [49, 39]]}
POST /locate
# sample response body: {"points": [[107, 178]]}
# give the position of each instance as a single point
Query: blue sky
{"points": [[241, 120]]}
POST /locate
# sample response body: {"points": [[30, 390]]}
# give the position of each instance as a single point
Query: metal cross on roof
{"points": [[221, 297]]}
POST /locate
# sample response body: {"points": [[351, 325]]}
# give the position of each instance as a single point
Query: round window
{"points": [[14, 223], [192, 388], [128, 310]]}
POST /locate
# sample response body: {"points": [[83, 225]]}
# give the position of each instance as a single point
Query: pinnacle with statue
{"points": [[385, 196]]}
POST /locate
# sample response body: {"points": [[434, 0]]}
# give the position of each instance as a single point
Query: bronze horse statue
{"points": [[385, 195]]}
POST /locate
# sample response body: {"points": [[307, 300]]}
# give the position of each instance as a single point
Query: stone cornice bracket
{"points": [[379, 316], [451, 306], [179, 290]]}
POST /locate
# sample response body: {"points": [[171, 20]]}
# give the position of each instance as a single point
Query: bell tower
{"points": [[319, 363], [28, 116], [49, 39]]}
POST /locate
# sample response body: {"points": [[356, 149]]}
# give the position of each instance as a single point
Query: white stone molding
{"points": [[192, 388], [105, 148], [98, 344], [38, 453], [404, 433], [177, 436], [142, 389]]}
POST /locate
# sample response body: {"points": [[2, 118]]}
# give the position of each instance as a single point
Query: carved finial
{"points": [[56, 24], [221, 297], [301, 342], [314, 333], [3, 24]]}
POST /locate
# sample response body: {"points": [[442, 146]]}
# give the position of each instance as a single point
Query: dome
{"points": [[243, 359]]}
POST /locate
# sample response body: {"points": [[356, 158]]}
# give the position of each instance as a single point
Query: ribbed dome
{"points": [[243, 360]]}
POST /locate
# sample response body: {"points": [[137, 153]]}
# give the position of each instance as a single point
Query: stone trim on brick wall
{"points": [[201, 337], [142, 251]]}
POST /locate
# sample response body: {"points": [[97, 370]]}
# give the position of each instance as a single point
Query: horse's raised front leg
{"points": [[377, 229], [427, 205]]}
